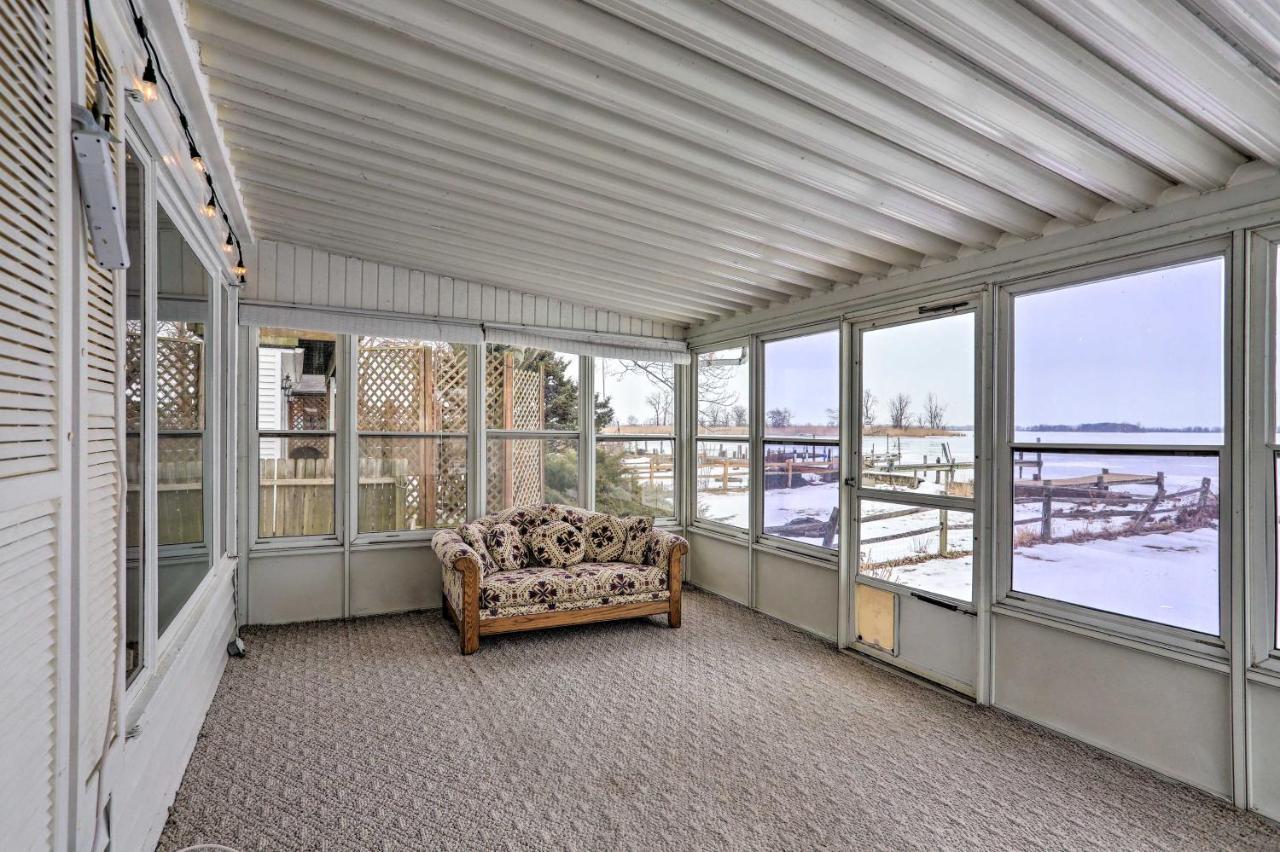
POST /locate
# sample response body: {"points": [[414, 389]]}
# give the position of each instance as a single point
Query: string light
{"points": [[147, 86], [152, 75]]}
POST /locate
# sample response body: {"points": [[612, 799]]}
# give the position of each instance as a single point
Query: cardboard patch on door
{"points": [[876, 617]]}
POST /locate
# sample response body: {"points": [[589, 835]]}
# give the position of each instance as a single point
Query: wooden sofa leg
{"points": [[673, 582], [469, 618]]}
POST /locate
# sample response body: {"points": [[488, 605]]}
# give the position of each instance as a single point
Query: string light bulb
{"points": [[230, 245], [148, 84], [196, 160], [238, 270], [210, 208]]}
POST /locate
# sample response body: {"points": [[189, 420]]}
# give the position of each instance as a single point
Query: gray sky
{"points": [[919, 358], [1143, 349]]}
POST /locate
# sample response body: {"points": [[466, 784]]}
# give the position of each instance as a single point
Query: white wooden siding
{"points": [[296, 275]]}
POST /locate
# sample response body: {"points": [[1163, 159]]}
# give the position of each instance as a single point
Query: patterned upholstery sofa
{"points": [[533, 567]]}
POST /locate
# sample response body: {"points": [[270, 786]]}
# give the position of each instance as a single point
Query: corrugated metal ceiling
{"points": [[687, 160]]}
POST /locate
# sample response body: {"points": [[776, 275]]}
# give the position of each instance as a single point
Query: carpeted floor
{"points": [[734, 732]]}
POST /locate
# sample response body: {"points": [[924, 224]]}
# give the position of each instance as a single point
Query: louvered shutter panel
{"points": [[103, 465], [29, 334]]}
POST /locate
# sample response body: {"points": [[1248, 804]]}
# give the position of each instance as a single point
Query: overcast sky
{"points": [[918, 358], [1143, 349]]}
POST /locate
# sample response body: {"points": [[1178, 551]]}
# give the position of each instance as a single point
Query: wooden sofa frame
{"points": [[471, 628]]}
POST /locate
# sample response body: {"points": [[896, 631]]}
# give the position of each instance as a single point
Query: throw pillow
{"points": [[506, 548], [605, 537], [637, 539], [556, 545], [473, 535]]}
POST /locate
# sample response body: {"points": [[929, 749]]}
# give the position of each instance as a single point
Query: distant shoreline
{"points": [[1117, 427], [909, 432]]}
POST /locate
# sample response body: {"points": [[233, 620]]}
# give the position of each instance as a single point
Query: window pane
{"points": [[180, 481], [411, 386], [1130, 534], [635, 477], [530, 389], [723, 482], [635, 397], [295, 486], [802, 492], [412, 483], [917, 546], [723, 392], [522, 471], [1134, 359], [134, 378], [917, 406], [802, 386], [297, 384]]}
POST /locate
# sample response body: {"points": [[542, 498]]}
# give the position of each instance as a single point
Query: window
{"points": [[411, 420], [635, 437], [531, 413], [801, 480], [722, 441], [134, 393], [1134, 365], [915, 427], [297, 401]]}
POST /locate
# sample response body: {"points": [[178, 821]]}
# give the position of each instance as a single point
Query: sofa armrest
{"points": [[460, 567], [662, 548]]}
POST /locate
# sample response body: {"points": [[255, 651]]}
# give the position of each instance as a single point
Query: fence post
{"points": [[943, 530], [1203, 502], [1046, 514], [1155, 501], [833, 523]]}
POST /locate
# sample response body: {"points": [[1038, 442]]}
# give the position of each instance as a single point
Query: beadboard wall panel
{"points": [[288, 274]]}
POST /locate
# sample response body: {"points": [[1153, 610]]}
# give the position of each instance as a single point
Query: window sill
{"points": [[286, 545], [829, 559], [1170, 642], [723, 533]]}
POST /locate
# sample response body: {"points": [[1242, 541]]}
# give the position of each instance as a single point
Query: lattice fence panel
{"points": [[513, 400], [179, 378]]}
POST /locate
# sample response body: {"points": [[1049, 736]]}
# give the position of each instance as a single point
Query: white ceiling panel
{"points": [[688, 160]]}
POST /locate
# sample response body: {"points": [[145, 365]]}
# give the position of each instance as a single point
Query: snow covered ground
{"points": [[1170, 577]]}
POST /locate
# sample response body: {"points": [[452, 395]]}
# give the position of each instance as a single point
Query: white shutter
{"points": [[101, 469], [29, 335]]}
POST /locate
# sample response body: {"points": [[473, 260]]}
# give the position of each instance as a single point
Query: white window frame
{"points": [[975, 302], [1263, 457], [830, 557], [352, 373], [341, 438], [671, 521], [1181, 641], [744, 534]]}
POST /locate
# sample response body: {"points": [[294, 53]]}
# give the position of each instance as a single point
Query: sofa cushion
{"points": [[605, 537], [506, 547], [533, 588], [474, 535], [556, 545], [572, 515], [637, 530], [523, 518]]}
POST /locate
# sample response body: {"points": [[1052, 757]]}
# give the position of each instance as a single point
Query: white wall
{"points": [[282, 273]]}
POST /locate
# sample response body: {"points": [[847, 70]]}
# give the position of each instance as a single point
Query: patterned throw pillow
{"points": [[605, 536], [506, 548], [473, 535], [523, 518], [556, 545], [637, 539]]}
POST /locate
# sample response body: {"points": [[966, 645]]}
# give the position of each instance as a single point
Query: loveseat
{"points": [[532, 567]]}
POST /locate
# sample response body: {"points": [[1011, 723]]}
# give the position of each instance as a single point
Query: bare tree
{"points": [[900, 410], [935, 412], [833, 417], [661, 401], [739, 415], [778, 418], [716, 394], [868, 408]]}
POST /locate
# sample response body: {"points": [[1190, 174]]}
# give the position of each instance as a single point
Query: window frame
{"points": [[975, 303], [424, 535], [1024, 604], [1262, 363], [671, 521], [339, 433], [748, 344], [584, 434], [761, 440]]}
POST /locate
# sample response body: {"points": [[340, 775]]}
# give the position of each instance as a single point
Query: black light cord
{"points": [[153, 57], [99, 74]]}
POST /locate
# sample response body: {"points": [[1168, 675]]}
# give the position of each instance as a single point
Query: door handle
{"points": [[851, 481]]}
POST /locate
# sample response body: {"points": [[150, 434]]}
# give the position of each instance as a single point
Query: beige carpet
{"points": [[734, 732]]}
